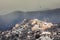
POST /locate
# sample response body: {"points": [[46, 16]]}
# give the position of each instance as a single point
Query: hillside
{"points": [[9, 20]]}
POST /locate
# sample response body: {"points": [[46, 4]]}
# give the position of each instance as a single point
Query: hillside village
{"points": [[32, 29]]}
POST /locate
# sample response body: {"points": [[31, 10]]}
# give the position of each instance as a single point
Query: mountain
{"points": [[9, 20]]}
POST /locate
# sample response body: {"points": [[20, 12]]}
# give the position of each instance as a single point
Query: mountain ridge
{"points": [[10, 19]]}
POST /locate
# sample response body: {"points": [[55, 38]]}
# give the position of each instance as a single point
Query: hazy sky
{"points": [[28, 5]]}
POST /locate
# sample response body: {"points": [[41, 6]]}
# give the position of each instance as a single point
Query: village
{"points": [[32, 29]]}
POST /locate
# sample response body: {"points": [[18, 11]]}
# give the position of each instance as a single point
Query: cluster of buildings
{"points": [[31, 29]]}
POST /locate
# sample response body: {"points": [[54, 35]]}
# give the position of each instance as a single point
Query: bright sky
{"points": [[28, 5]]}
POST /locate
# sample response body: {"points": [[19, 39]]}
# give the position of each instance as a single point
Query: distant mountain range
{"points": [[9, 20]]}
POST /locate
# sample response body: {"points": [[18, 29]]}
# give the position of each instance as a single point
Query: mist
{"points": [[27, 5], [14, 11]]}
